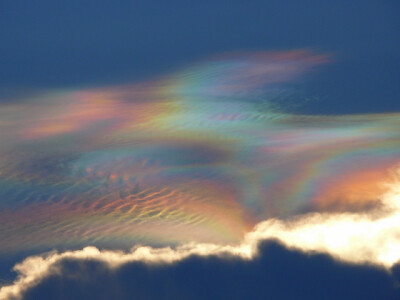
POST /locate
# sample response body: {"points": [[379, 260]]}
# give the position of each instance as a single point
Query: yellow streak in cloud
{"points": [[372, 238]]}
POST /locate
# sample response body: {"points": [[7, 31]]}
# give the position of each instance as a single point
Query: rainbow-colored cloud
{"points": [[200, 155]]}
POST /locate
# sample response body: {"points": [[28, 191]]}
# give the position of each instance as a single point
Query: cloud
{"points": [[275, 273], [203, 154], [370, 238]]}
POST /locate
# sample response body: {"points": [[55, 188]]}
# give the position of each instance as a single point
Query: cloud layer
{"points": [[203, 154]]}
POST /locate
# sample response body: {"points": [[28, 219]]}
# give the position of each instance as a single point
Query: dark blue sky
{"points": [[82, 43]]}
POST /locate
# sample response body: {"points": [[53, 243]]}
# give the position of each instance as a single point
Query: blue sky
{"points": [[86, 43]]}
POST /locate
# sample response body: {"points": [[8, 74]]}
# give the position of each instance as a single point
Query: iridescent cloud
{"points": [[200, 155]]}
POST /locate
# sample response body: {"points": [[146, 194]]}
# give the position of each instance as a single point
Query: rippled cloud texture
{"points": [[208, 157]]}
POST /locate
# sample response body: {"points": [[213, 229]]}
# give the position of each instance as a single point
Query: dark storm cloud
{"points": [[277, 273]]}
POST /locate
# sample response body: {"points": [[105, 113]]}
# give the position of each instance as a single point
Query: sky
{"points": [[204, 150]]}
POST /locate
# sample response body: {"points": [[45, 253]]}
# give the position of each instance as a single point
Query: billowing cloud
{"points": [[276, 273]]}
